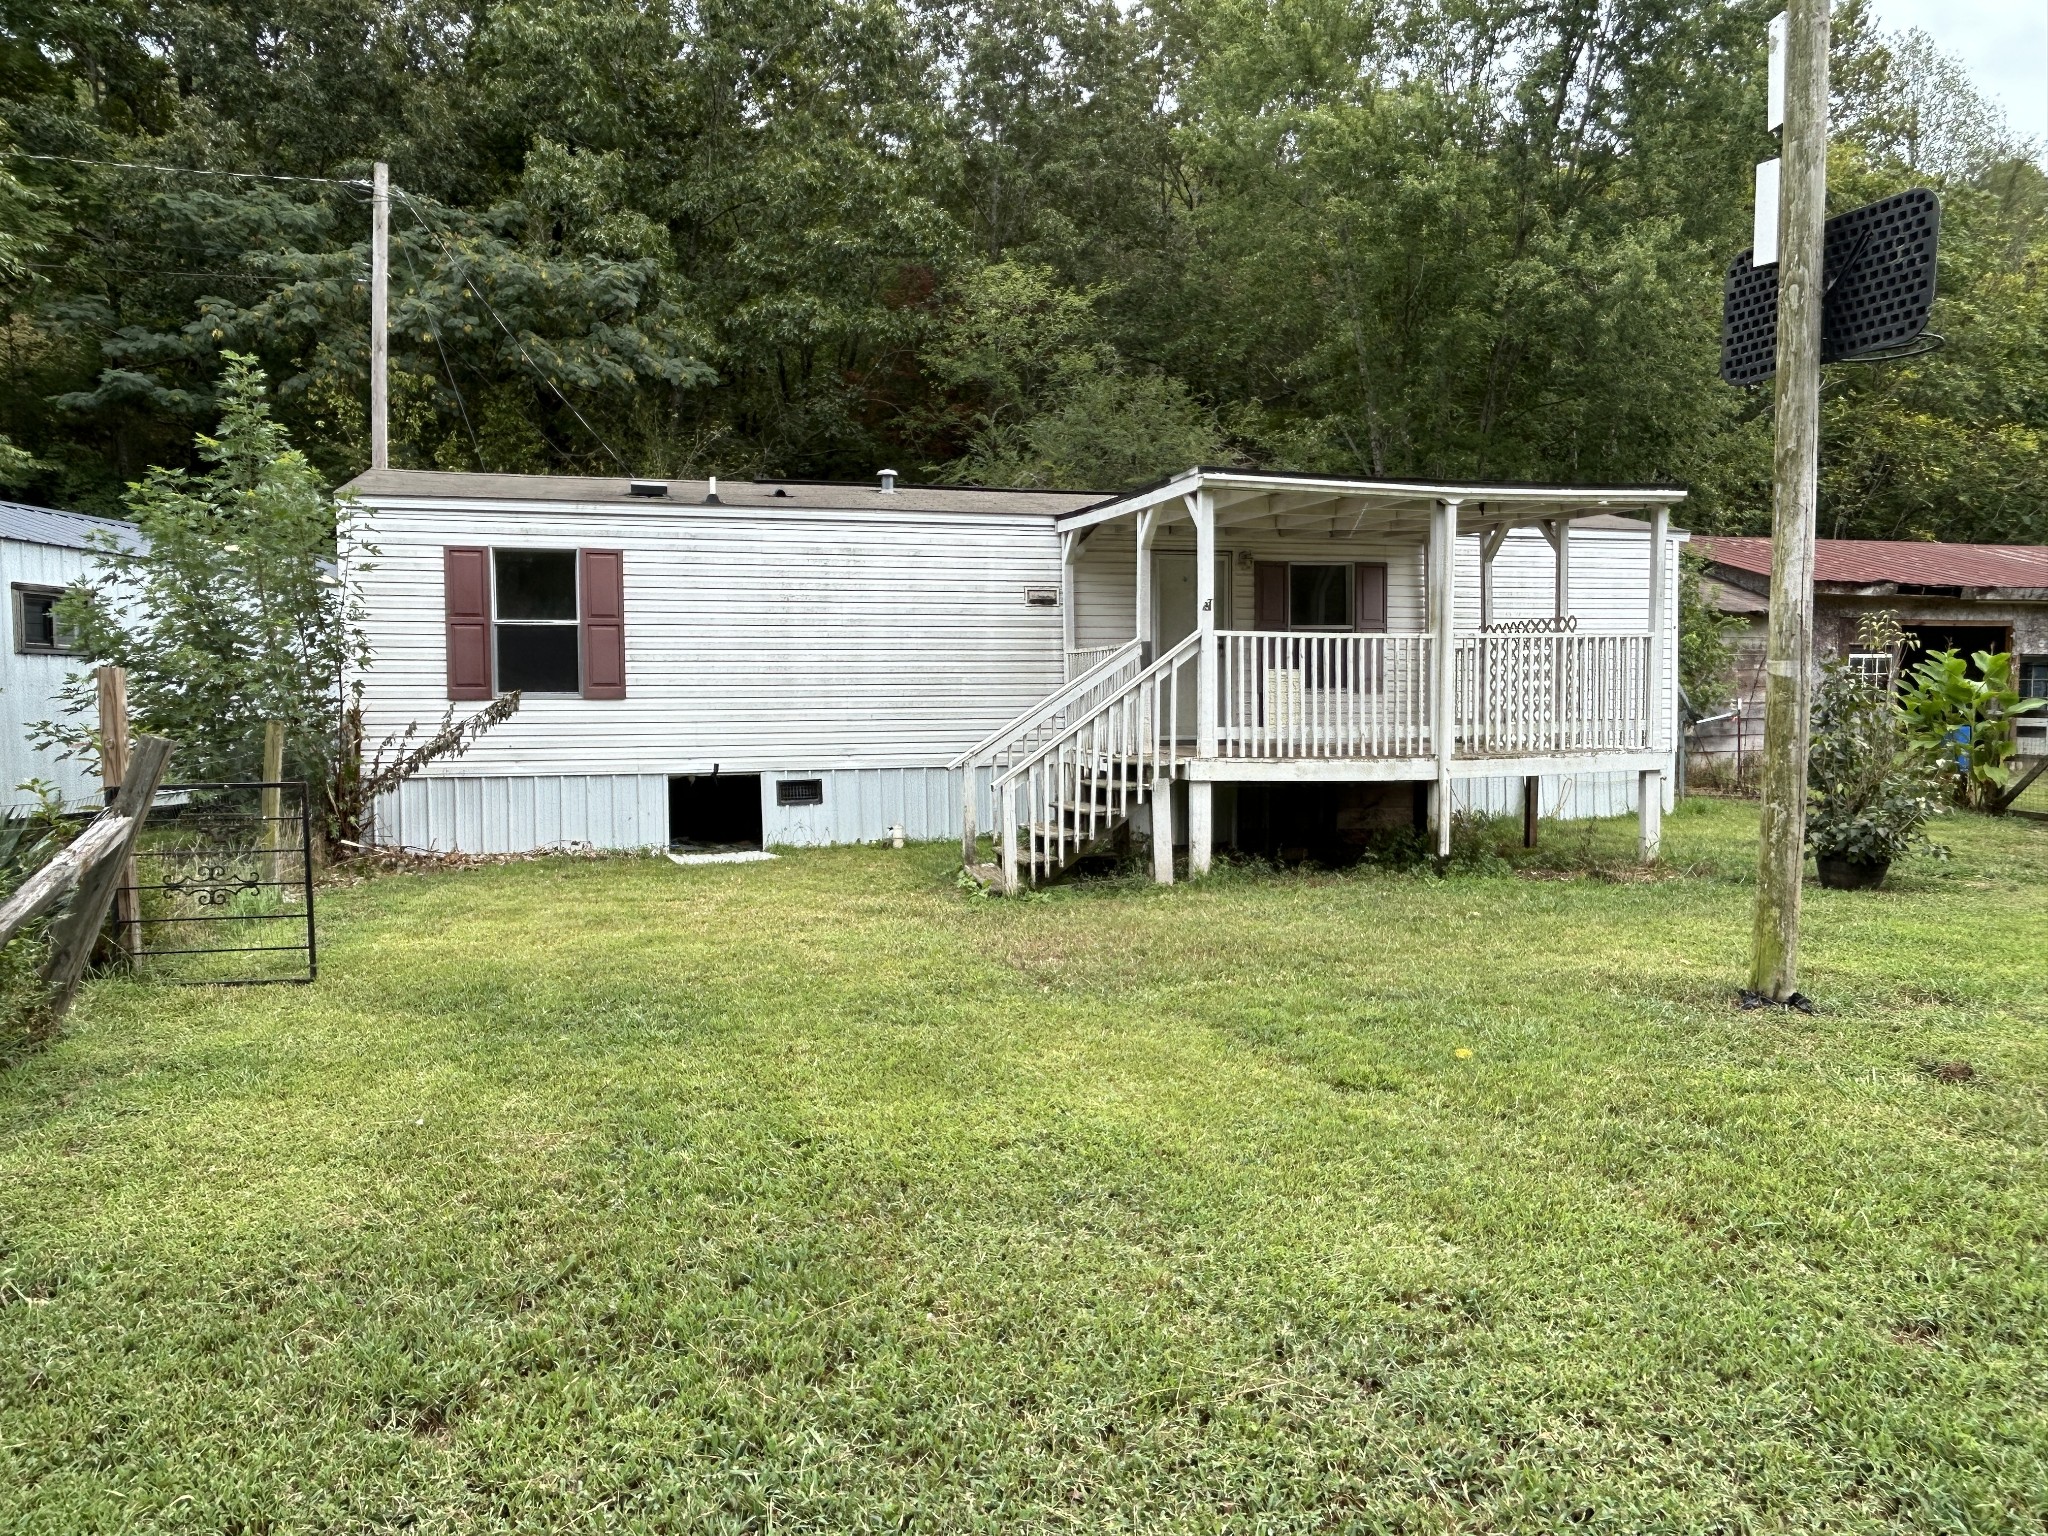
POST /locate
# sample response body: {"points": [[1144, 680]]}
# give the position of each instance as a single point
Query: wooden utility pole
{"points": [[1795, 469], [111, 684], [380, 301]]}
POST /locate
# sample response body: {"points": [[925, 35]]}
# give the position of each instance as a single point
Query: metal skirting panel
{"points": [[861, 805], [518, 814], [1564, 797], [504, 814]]}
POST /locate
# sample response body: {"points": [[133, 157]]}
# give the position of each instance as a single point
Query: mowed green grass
{"points": [[820, 1196]]}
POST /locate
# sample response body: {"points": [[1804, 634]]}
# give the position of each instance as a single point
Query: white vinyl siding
{"points": [[754, 640]]}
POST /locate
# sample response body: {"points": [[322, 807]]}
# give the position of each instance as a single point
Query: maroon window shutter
{"points": [[466, 589], [1369, 608], [1269, 594], [604, 624]]}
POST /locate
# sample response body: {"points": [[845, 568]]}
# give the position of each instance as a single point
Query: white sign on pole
{"points": [[1764, 238], [1774, 99]]}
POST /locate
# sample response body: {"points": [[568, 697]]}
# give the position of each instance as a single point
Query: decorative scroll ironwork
{"points": [[223, 886], [1565, 624]]}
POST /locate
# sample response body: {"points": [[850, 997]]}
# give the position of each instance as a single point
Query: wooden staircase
{"points": [[1111, 745]]}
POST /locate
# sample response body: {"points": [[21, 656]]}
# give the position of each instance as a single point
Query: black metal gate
{"points": [[223, 886]]}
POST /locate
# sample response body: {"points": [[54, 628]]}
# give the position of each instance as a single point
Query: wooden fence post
{"points": [[113, 701], [272, 805], [72, 935]]}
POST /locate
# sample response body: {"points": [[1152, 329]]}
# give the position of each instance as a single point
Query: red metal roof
{"points": [[1864, 562]]}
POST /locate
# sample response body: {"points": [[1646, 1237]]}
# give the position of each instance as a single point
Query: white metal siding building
{"points": [[847, 644], [42, 552]]}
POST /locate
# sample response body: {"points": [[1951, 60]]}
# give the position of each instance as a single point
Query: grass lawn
{"points": [[820, 1196]]}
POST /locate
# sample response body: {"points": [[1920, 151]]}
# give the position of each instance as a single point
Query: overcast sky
{"points": [[2004, 43]]}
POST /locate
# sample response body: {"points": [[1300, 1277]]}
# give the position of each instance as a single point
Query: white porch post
{"points": [[1070, 550], [1559, 532], [1443, 546], [1202, 793], [1489, 546], [1148, 530], [1650, 790], [1162, 830]]}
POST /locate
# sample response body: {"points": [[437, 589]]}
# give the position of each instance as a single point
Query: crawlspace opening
{"points": [[714, 812]]}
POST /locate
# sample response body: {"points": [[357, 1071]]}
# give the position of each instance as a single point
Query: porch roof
{"points": [[1304, 501]]}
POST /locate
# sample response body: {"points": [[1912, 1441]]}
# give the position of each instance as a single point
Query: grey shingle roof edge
{"points": [[686, 495]]}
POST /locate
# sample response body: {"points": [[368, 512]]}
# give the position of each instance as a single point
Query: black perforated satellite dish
{"points": [[1879, 282]]}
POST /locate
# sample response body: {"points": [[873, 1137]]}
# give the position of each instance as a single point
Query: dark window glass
{"points": [[36, 624], [537, 658], [536, 583], [2033, 678], [1319, 597]]}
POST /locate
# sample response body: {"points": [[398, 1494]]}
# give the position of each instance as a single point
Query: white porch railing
{"points": [[1086, 658], [1540, 694], [1286, 695], [1077, 785], [1041, 722]]}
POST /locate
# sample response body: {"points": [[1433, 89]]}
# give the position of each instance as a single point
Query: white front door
{"points": [[1174, 618]]}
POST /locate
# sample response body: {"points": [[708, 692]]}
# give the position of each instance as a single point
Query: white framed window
{"points": [[534, 621], [1874, 667], [36, 630]]}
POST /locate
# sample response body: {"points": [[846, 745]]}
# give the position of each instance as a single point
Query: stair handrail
{"points": [[1051, 704], [1014, 734], [1160, 743]]}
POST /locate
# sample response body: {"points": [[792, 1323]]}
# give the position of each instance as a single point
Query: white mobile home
{"points": [[43, 552], [788, 663]]}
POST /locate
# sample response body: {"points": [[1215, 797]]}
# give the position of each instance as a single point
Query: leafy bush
{"points": [[1871, 787], [1967, 721]]}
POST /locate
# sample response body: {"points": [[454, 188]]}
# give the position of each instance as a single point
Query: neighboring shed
{"points": [[42, 552], [1965, 597]]}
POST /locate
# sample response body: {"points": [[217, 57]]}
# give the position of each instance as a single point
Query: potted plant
{"points": [[1871, 790]]}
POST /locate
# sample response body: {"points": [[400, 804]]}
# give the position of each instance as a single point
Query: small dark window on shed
{"points": [[799, 791], [36, 631], [535, 592], [2033, 677]]}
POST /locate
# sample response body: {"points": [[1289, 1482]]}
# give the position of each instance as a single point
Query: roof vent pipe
{"points": [[888, 482], [711, 496]]}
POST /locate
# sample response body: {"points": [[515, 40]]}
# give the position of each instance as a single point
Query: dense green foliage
{"points": [[1051, 241], [233, 617], [819, 1197], [1873, 787], [1963, 709]]}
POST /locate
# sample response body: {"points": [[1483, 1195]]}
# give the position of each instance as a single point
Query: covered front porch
{"points": [[1231, 627]]}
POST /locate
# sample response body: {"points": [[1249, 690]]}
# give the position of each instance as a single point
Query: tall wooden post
{"points": [[111, 684], [271, 801], [1795, 467], [380, 320]]}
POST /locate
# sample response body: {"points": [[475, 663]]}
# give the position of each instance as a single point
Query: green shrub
{"points": [[1871, 787], [1967, 721]]}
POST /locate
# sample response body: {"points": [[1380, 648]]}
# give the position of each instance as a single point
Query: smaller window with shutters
{"points": [[536, 621]]}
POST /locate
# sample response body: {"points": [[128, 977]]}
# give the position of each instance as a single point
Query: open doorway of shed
{"points": [[714, 812], [1924, 639]]}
